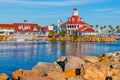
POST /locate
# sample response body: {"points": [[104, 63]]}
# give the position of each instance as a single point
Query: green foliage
{"points": [[101, 27], [52, 24], [63, 33], [52, 33], [39, 28], [75, 37], [118, 29], [97, 26], [91, 26]]}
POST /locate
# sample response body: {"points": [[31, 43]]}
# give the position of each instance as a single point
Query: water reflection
{"points": [[25, 55]]}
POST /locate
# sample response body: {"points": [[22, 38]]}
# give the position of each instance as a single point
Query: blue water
{"points": [[16, 55]]}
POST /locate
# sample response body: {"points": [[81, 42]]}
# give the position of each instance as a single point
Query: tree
{"points": [[52, 24], [91, 26], [52, 33], [104, 28], [63, 33], [101, 27], [39, 28], [110, 26], [97, 26], [118, 29]]}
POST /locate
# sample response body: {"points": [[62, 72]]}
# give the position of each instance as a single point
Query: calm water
{"points": [[15, 55]]}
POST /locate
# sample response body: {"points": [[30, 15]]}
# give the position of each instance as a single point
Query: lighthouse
{"points": [[75, 12], [76, 26]]}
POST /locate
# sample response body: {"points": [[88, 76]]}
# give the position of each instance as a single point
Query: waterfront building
{"points": [[76, 25], [20, 27], [45, 31]]}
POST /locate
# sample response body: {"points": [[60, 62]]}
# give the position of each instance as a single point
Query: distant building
{"points": [[76, 25], [21, 27], [46, 30]]}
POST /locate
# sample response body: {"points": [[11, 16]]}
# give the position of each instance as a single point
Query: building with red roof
{"points": [[75, 24], [21, 27]]}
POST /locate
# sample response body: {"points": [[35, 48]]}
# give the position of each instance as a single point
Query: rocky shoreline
{"points": [[85, 39], [101, 67]]}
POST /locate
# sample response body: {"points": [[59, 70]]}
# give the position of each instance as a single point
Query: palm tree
{"points": [[117, 28], [104, 29], [101, 28], [91, 26], [110, 28], [97, 26]]}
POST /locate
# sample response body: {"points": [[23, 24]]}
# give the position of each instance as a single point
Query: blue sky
{"points": [[45, 12]]}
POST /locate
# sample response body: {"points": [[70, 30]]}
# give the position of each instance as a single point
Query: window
{"points": [[73, 19], [78, 19]]}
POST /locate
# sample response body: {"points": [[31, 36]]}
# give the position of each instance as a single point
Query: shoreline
{"points": [[85, 39], [67, 67]]}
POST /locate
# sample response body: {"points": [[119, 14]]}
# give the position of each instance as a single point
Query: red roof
{"points": [[75, 20], [75, 9], [86, 29], [6, 26], [46, 29], [21, 27]]}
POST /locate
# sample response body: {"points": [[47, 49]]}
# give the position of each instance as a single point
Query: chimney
{"points": [[25, 21]]}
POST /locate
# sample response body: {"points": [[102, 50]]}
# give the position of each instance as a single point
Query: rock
{"points": [[69, 62], [16, 74], [96, 72], [90, 59], [54, 75], [73, 63], [4, 76], [103, 58], [42, 68], [30, 75], [116, 77], [74, 78]]}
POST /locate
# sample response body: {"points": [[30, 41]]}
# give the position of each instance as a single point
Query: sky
{"points": [[46, 12]]}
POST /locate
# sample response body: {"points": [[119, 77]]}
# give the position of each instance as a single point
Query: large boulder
{"points": [[116, 77], [96, 72], [67, 63], [30, 75], [42, 68], [16, 74], [4, 76], [54, 75], [73, 63]]}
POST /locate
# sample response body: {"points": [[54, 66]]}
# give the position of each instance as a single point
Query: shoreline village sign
{"points": [[24, 27], [21, 27]]}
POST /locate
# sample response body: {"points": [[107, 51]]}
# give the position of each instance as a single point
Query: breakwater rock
{"points": [[101, 67], [4, 76], [85, 39]]}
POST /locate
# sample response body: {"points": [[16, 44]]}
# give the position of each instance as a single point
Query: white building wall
{"points": [[50, 27]]}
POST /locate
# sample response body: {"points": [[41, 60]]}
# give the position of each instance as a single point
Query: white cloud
{"points": [[103, 10], [51, 3]]}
